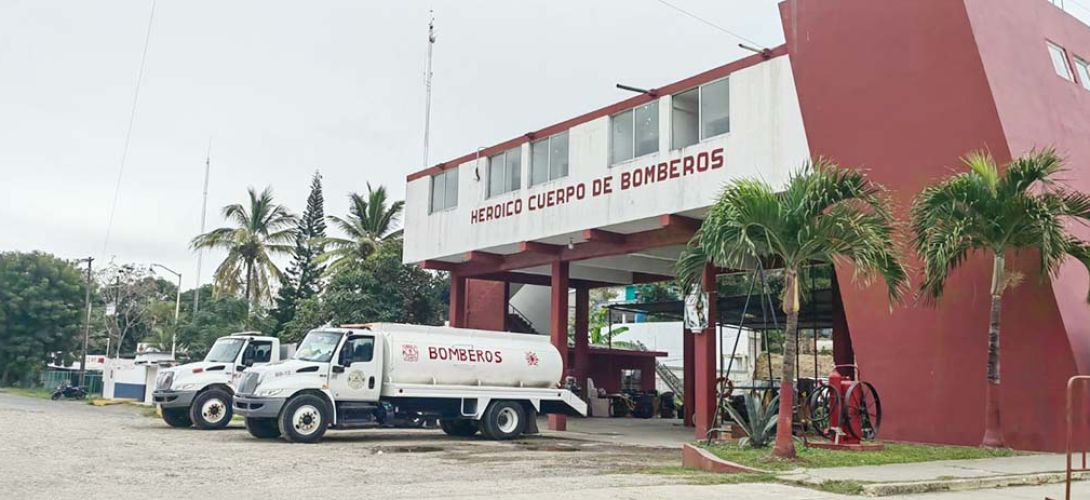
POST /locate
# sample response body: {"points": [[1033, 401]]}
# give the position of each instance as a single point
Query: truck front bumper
{"points": [[173, 399], [251, 406]]}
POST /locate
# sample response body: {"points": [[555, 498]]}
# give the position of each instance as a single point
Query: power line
{"points": [[709, 23], [128, 133]]}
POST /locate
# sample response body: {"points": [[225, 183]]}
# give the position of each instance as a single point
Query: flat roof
{"points": [[631, 102]]}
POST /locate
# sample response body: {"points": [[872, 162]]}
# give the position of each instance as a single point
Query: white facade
{"points": [[766, 140]]}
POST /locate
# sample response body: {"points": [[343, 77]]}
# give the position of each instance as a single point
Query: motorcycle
{"points": [[68, 391]]}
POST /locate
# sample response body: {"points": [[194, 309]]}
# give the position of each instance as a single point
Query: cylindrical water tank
{"points": [[457, 356]]}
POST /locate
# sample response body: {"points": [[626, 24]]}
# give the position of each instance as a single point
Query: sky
{"points": [[282, 89]]}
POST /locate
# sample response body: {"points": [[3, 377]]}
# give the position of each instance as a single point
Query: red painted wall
{"points": [[903, 89], [605, 367], [486, 305]]}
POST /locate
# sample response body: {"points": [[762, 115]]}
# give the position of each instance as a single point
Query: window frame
{"points": [[506, 170], [548, 143], [1070, 72], [658, 132], [446, 175], [700, 136], [1084, 76]]}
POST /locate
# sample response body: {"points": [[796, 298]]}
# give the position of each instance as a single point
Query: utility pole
{"points": [[427, 89], [204, 212], [177, 307], [86, 323]]}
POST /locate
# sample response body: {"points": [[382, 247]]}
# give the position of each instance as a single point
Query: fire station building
{"points": [[899, 89]]}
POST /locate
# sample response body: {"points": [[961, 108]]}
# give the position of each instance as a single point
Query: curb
{"points": [[693, 457], [967, 484]]}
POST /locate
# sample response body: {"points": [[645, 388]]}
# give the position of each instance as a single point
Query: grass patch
{"points": [[699, 477], [36, 392], [894, 453], [841, 487]]}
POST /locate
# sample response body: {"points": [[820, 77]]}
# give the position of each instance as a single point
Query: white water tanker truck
{"points": [[356, 376], [199, 394]]}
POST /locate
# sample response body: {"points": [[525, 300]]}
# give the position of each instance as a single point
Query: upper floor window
{"points": [[505, 172], [444, 190], [1059, 61], [1083, 69], [700, 113], [635, 132], [549, 159]]}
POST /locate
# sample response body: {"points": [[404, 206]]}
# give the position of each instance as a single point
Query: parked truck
{"points": [[199, 394], [356, 376]]}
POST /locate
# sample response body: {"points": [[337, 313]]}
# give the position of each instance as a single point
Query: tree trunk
{"points": [[249, 287], [993, 429], [785, 445]]}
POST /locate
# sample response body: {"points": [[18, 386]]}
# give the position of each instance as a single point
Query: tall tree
{"points": [[995, 213], [41, 304], [305, 273], [260, 230], [381, 288], [825, 213], [370, 222]]}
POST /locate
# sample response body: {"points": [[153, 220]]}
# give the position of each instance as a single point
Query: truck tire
{"points": [[503, 420], [304, 419], [211, 409], [263, 428], [458, 427], [177, 417]]}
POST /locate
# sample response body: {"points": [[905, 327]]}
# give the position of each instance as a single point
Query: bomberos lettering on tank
{"points": [[624, 180]]}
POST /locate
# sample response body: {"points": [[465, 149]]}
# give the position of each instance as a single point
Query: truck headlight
{"points": [[269, 392]]}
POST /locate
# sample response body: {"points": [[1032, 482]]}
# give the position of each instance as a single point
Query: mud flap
{"points": [[531, 422]]}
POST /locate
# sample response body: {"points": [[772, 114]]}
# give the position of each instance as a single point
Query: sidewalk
{"points": [[949, 475]]}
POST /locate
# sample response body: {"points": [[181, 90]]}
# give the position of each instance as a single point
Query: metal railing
{"points": [[1076, 408], [511, 309]]}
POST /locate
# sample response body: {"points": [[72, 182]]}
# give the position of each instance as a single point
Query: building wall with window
{"points": [[754, 131]]}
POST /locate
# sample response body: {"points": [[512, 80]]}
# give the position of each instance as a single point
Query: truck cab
{"points": [[368, 375], [199, 394]]}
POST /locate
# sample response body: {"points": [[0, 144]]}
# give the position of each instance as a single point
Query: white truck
{"points": [[199, 394], [355, 376]]}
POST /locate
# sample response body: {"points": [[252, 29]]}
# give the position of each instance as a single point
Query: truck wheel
{"points": [[177, 417], [263, 428], [211, 409], [503, 420], [458, 427], [304, 419]]}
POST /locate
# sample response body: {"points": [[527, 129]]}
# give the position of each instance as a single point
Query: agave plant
{"points": [[760, 422]]}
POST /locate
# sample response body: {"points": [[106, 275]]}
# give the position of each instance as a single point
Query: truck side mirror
{"points": [[248, 355]]}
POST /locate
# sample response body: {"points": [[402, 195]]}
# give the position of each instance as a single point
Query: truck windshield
{"points": [[318, 347], [225, 350]]}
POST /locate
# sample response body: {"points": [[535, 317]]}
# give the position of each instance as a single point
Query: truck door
{"points": [[357, 373]]}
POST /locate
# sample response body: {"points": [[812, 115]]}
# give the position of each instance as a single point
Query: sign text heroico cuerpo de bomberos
{"points": [[693, 164]]}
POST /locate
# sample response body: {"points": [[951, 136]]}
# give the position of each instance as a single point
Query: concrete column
{"points": [[558, 327], [457, 301], [704, 362], [688, 375], [582, 337]]}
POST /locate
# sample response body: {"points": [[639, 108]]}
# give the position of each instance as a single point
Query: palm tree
{"points": [[261, 230], [983, 210], [370, 222], [825, 214]]}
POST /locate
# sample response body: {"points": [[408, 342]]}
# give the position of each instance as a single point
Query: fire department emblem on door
{"points": [[355, 380]]}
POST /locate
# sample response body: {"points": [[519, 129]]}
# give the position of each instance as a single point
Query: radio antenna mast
{"points": [[204, 212], [427, 87]]}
